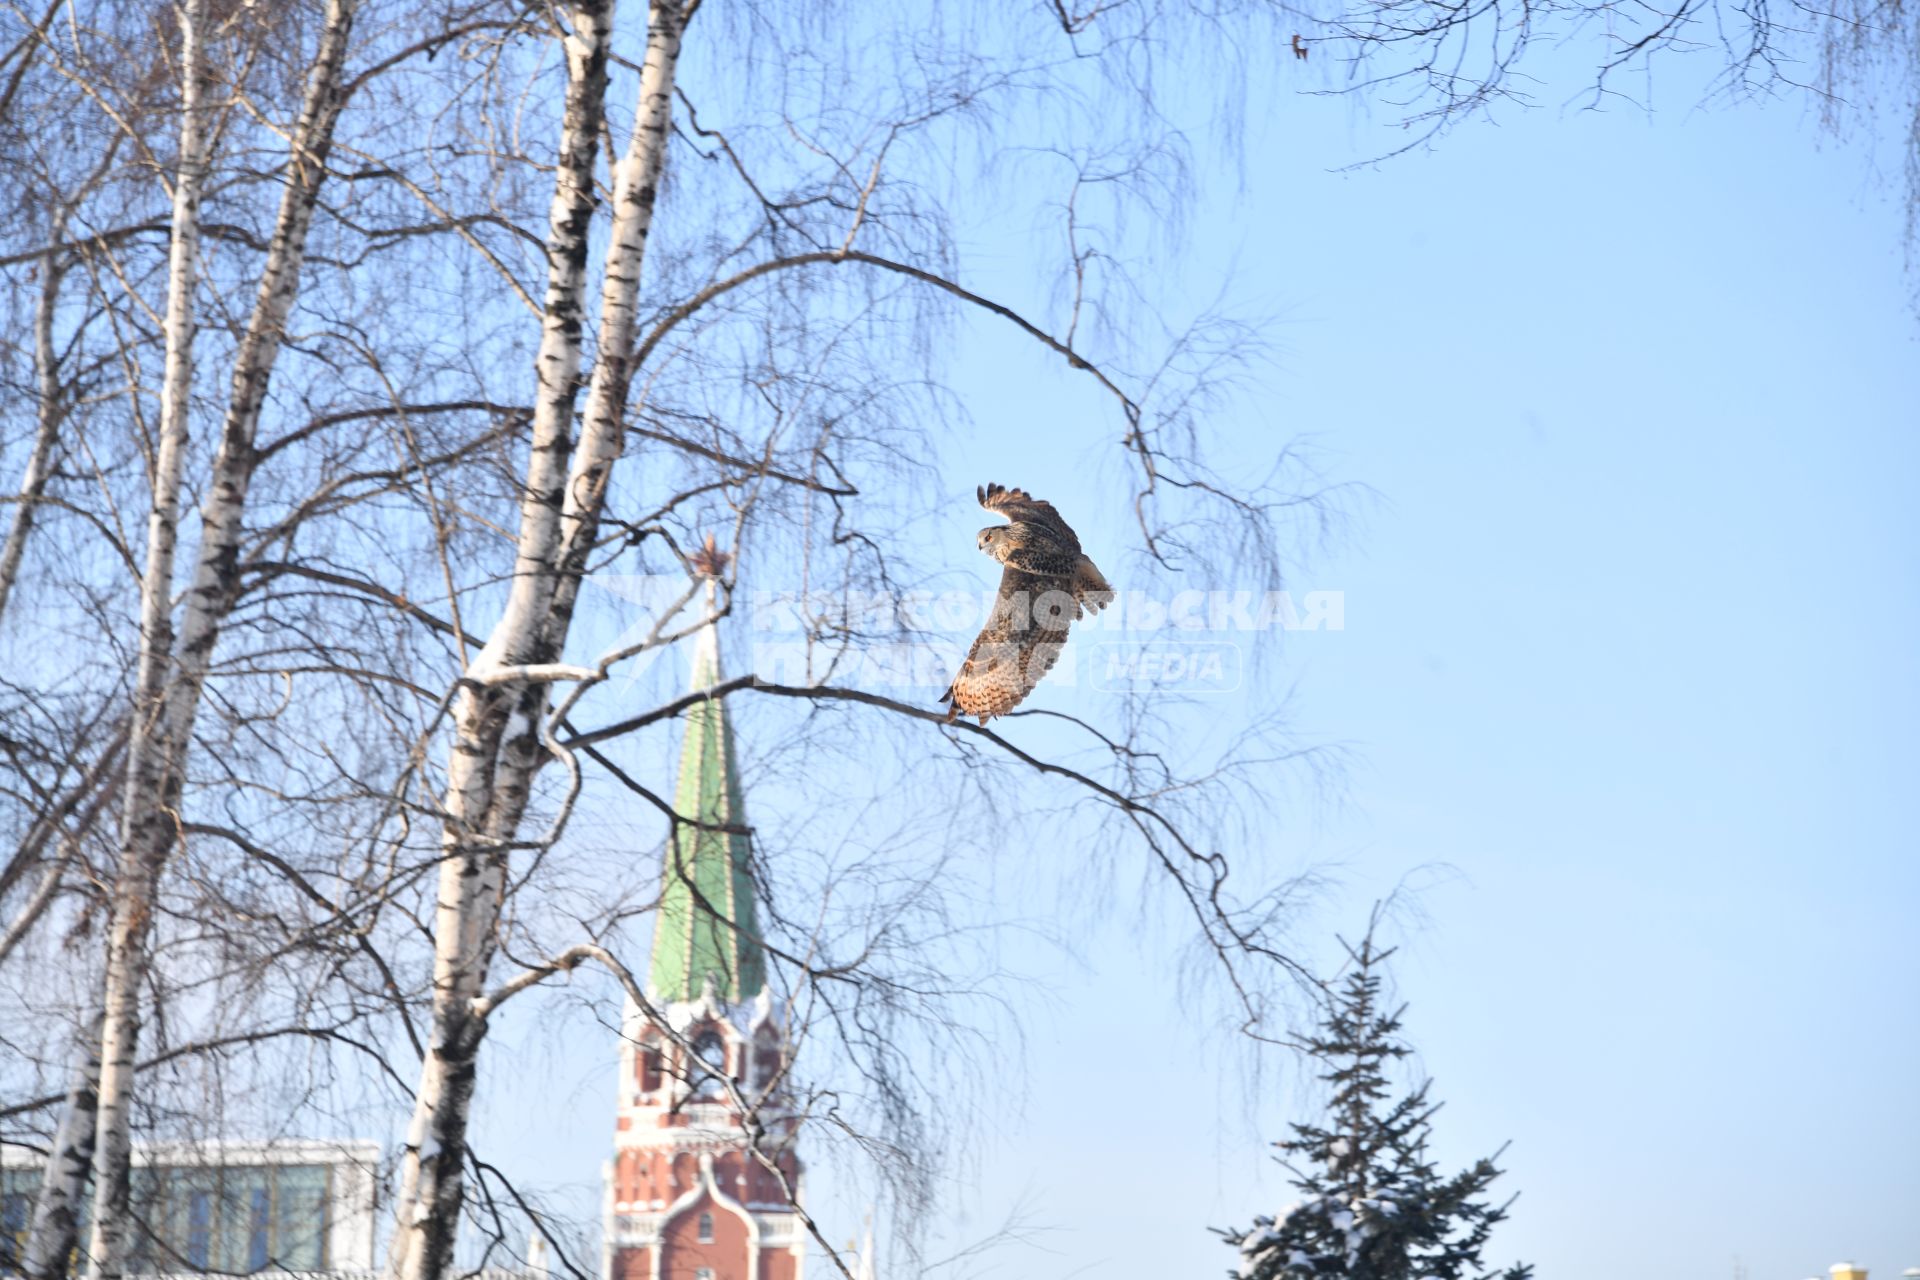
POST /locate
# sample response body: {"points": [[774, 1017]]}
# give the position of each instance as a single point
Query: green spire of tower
{"points": [[706, 927]]}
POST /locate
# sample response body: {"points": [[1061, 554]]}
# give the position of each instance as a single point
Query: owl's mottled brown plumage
{"points": [[1046, 584]]}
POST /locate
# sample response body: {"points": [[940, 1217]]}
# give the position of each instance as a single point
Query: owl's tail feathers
{"points": [[1090, 586], [953, 706]]}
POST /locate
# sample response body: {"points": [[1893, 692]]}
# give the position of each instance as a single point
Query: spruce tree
{"points": [[1371, 1204]]}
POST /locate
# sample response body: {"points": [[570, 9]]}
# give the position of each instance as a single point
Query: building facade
{"points": [[249, 1208], [686, 1196]]}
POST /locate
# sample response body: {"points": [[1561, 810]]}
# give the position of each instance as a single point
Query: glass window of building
{"points": [[199, 1247], [224, 1208], [259, 1225], [17, 1190], [233, 1218]]}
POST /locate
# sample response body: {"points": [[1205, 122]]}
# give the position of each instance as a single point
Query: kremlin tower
{"points": [[685, 1198]]}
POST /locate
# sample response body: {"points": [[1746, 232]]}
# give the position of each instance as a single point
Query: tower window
{"points": [[649, 1069], [703, 1273], [710, 1050], [710, 1054], [706, 1228]]}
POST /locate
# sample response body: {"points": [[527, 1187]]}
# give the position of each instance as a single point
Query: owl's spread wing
{"points": [[1021, 507], [1015, 650]]}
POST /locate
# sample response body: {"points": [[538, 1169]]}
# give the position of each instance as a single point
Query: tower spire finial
{"points": [[708, 560]]}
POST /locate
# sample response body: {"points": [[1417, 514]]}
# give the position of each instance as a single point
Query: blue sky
{"points": [[1628, 652], [1628, 646]]}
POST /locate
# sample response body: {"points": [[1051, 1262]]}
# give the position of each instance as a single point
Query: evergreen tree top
{"points": [[1371, 1204]]}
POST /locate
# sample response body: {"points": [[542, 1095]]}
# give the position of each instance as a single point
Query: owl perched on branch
{"points": [[1047, 583]]}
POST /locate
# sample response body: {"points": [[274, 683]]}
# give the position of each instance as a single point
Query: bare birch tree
{"points": [[150, 801], [172, 662], [172, 669]]}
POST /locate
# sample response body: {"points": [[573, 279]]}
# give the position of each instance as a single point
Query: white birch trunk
{"points": [[563, 321], [37, 902], [51, 823], [50, 411], [97, 783], [216, 573], [473, 866], [56, 1211], [54, 1229], [144, 822], [603, 432], [603, 423], [172, 673], [497, 748]]}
